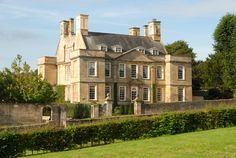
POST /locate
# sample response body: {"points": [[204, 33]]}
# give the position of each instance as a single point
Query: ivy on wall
{"points": [[154, 93]]}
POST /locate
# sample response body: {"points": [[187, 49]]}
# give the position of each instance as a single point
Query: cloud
{"points": [[17, 35], [203, 8], [184, 8], [25, 12]]}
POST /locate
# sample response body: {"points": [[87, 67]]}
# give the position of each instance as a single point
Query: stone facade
{"points": [[91, 64]]}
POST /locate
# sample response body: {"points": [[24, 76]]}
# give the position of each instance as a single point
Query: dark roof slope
{"points": [[126, 41]]}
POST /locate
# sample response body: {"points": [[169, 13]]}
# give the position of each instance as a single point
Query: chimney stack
{"points": [[154, 30], [64, 26], [82, 24], [134, 31], [145, 30], [71, 26]]}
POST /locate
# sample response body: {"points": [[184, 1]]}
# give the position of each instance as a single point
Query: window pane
{"points": [[103, 48], [92, 92], [159, 94], [159, 72], [122, 70], [122, 93], [180, 94], [92, 68], [107, 69], [118, 49], [133, 71], [180, 72], [145, 72], [145, 94], [133, 93]]}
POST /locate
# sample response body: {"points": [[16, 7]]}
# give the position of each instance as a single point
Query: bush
{"points": [[127, 109], [15, 144], [60, 94], [78, 111], [215, 93]]}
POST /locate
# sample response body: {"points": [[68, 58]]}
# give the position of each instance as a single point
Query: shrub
{"points": [[60, 94], [15, 144], [78, 111]]}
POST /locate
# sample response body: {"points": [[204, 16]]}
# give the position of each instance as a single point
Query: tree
{"points": [[225, 52], [20, 84], [180, 48]]}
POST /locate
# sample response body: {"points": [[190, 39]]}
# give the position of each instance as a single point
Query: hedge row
{"points": [[15, 144]]}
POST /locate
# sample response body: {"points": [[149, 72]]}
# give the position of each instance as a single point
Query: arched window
{"points": [[46, 113]]}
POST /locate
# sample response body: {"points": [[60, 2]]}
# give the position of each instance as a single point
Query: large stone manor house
{"points": [[93, 64]]}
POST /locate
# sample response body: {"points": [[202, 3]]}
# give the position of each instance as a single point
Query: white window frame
{"points": [[162, 72], [102, 47], [133, 89], [95, 68], [109, 87], [182, 97], [159, 97], [183, 72], [148, 72], [155, 52], [144, 99], [109, 69], [124, 93], [118, 49], [124, 70], [136, 71], [95, 92], [141, 49]]}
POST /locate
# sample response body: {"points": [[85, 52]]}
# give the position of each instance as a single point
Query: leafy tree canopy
{"points": [[22, 85], [180, 47]]}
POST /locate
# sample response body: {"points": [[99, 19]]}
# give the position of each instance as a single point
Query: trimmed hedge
{"points": [[78, 111], [15, 144]]}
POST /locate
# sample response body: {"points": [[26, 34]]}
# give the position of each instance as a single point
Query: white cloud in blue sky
{"points": [[31, 27]]}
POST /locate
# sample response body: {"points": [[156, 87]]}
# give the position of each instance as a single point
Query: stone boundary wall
{"points": [[24, 127], [149, 109], [141, 110], [27, 114]]}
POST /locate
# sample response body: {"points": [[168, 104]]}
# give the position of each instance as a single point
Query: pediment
{"points": [[134, 55]]}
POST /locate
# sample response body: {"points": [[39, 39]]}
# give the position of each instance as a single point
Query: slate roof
{"points": [[126, 41]]}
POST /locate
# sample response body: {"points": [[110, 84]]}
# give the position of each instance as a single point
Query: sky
{"points": [[31, 27]]}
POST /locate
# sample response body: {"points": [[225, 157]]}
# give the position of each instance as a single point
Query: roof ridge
{"points": [[114, 34]]}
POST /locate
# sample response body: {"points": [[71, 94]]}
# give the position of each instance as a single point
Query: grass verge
{"points": [[215, 143]]}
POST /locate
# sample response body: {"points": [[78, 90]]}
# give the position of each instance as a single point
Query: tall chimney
{"points": [[82, 24], [145, 27], [64, 25], [134, 31], [154, 30], [71, 26]]}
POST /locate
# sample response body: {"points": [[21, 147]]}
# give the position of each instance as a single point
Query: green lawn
{"points": [[219, 143]]}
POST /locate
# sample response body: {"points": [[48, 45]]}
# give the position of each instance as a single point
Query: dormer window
{"points": [[141, 49], [154, 51], [117, 48], [102, 47]]}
